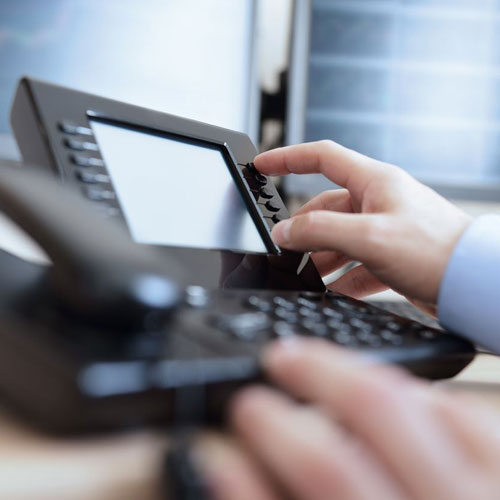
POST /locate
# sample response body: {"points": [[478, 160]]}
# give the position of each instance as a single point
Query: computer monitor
{"points": [[411, 83], [188, 57]]}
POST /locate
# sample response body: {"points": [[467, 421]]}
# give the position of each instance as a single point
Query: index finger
{"points": [[341, 165]]}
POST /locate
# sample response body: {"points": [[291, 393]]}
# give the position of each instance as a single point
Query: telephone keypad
{"points": [[340, 319]]}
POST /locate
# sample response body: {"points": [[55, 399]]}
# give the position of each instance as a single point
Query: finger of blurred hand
{"points": [[337, 200], [311, 456], [474, 424], [381, 405], [341, 165], [229, 471], [358, 283]]}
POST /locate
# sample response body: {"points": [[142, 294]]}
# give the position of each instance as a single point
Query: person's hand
{"points": [[401, 231], [370, 432]]}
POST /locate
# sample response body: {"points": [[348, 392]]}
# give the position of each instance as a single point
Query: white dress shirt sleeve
{"points": [[469, 296]]}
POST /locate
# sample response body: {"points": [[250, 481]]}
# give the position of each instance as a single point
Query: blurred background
{"points": [[412, 82]]}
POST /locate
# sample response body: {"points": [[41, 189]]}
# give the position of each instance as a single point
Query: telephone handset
{"points": [[98, 274]]}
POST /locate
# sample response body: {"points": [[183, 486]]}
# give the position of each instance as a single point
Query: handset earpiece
{"points": [[98, 275]]}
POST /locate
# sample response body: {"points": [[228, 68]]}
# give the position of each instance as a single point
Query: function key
{"points": [[86, 161], [80, 145], [260, 179], [265, 194], [255, 174], [271, 207], [97, 194], [92, 177], [252, 168], [73, 129], [276, 219]]}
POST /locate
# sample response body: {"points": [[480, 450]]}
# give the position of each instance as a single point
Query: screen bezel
{"points": [[192, 139]]}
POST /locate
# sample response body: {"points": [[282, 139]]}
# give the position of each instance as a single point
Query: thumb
{"points": [[351, 234]]}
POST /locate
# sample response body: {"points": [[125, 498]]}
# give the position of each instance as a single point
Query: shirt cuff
{"points": [[468, 302]]}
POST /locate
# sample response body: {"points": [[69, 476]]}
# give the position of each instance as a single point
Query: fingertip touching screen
{"points": [[175, 191]]}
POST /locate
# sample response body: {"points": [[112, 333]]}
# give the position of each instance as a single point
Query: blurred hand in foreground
{"points": [[401, 231], [367, 432]]}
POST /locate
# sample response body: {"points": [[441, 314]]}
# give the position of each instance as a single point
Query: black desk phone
{"points": [[159, 312]]}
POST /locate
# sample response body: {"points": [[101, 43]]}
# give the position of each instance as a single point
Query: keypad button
{"points": [[284, 329], [286, 315], [394, 326], [276, 219], [332, 313], [391, 337], [257, 303], [359, 323], [335, 324], [71, 128], [80, 145], [305, 312], [307, 303], [344, 338], [282, 302], [86, 161]]}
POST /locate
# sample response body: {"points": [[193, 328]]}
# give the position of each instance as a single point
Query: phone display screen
{"points": [[176, 192]]}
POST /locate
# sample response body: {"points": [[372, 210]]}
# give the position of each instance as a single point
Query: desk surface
{"points": [[126, 466]]}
